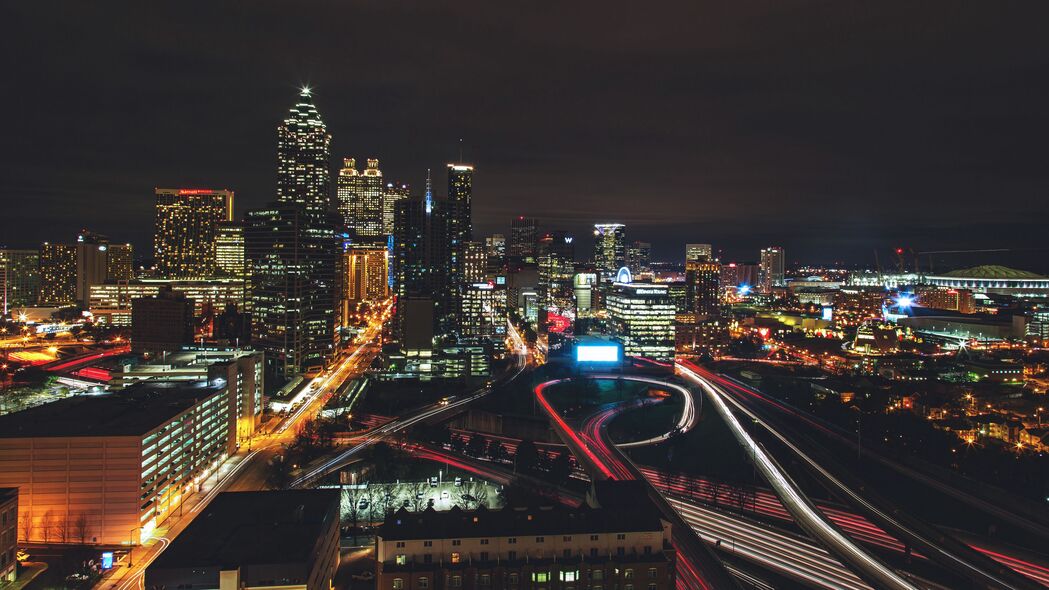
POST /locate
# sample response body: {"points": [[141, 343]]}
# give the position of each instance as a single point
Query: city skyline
{"points": [[874, 159]]}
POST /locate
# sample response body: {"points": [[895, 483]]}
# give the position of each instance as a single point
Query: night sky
{"points": [[832, 128]]}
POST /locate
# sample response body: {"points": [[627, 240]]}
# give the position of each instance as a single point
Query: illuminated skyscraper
{"points": [[495, 245], [639, 257], [772, 268], [19, 278], [699, 252], [524, 239], [185, 231], [460, 223], [702, 284], [475, 262], [394, 192], [609, 248], [291, 250], [57, 274], [360, 195], [229, 249], [303, 155]]}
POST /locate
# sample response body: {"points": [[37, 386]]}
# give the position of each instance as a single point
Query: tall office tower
{"points": [[19, 278], [639, 257], [698, 252], [703, 287], [394, 192], [365, 273], [495, 245], [740, 274], [524, 239], [772, 268], [475, 263], [185, 230], [57, 274], [92, 264], [422, 282], [119, 263], [609, 248], [360, 196], [460, 223], [291, 251], [229, 249], [303, 156], [290, 254], [347, 186]]}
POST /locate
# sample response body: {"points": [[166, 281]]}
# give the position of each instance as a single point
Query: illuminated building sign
{"points": [[597, 353], [623, 276]]}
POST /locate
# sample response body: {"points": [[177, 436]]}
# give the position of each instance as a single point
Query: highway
{"points": [[995, 576], [431, 413], [697, 566]]}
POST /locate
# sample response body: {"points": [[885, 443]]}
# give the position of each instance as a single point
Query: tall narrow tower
{"points": [[303, 157]]}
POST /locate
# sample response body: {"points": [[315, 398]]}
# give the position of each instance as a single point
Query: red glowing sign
{"points": [[557, 323]]}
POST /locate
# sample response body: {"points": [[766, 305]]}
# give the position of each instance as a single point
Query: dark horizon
{"points": [[825, 129]]}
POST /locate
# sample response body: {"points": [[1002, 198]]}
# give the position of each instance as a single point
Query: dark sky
{"points": [[832, 127]]}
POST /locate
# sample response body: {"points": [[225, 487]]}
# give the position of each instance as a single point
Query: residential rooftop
{"points": [[254, 528]]}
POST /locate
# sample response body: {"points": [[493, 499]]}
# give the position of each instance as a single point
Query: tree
{"points": [[26, 525], [278, 473], [476, 446], [47, 525], [80, 527], [560, 468], [417, 495], [526, 458], [62, 529], [481, 494], [497, 451]]}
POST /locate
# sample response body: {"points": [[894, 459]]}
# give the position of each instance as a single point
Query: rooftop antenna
{"points": [[429, 192], [460, 150]]}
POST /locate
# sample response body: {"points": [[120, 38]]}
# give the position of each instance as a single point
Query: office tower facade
{"points": [[425, 303], [642, 317], [110, 302], [703, 287], [161, 323], [460, 222], [639, 257], [229, 250], [119, 263], [772, 268], [556, 267], [742, 275], [495, 246], [479, 311], [699, 252], [392, 193], [291, 250], [360, 199], [365, 273], [524, 239], [19, 278], [475, 263], [57, 274], [291, 253], [347, 186], [303, 156], [609, 248], [186, 231]]}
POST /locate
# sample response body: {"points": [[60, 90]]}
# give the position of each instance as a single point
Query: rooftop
{"points": [[992, 271], [133, 411], [544, 520], [254, 528]]}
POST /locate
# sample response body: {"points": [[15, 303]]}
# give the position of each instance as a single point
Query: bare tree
{"points": [[47, 525], [691, 487], [62, 529], [417, 495], [481, 495], [80, 527], [27, 525], [715, 490]]}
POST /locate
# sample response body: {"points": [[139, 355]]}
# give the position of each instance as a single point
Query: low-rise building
{"points": [[8, 534], [110, 468], [287, 540], [550, 547]]}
